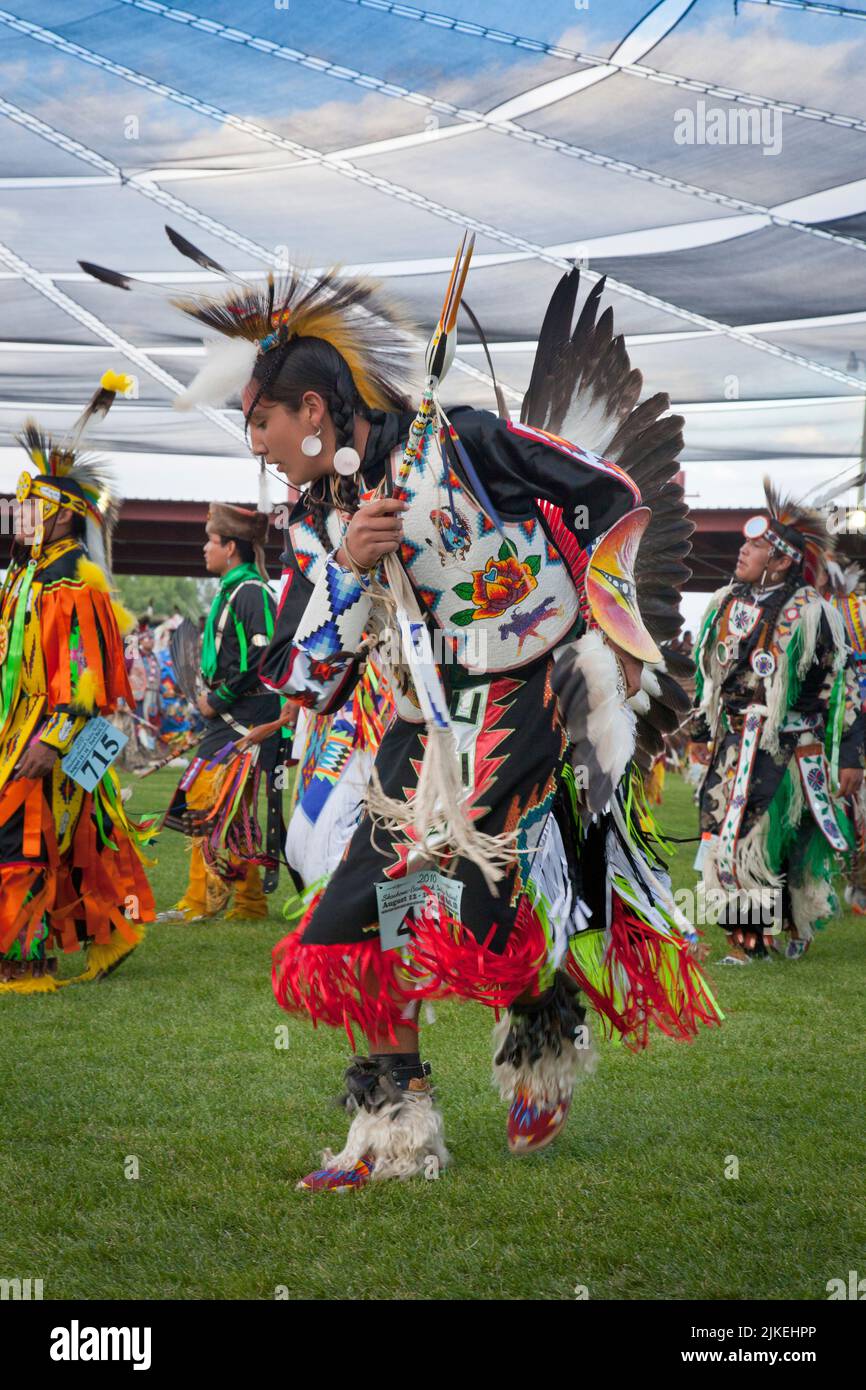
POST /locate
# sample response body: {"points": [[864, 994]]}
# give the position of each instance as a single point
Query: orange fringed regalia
{"points": [[71, 862]]}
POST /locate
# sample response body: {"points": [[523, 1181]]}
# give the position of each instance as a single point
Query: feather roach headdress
{"points": [[66, 478], [797, 530], [798, 527], [802, 532], [263, 318]]}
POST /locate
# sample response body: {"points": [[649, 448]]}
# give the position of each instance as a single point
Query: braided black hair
{"points": [[317, 503], [344, 404]]}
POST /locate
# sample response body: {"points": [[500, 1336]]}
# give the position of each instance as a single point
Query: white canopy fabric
{"points": [[709, 163]]}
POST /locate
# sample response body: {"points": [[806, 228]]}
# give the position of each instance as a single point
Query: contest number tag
{"points": [[703, 848], [93, 752], [397, 902]]}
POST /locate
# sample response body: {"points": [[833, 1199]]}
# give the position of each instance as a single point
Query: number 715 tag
{"points": [[92, 752]]}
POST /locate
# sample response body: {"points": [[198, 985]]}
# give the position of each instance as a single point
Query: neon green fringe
{"points": [[780, 832], [699, 651]]}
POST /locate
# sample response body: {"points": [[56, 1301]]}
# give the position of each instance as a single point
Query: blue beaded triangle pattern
{"points": [[343, 593], [324, 642], [343, 590]]}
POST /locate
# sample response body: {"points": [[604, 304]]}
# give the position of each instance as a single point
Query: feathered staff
{"points": [[436, 816], [431, 415]]}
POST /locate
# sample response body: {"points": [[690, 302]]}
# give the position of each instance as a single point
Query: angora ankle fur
{"points": [[401, 1137], [548, 1080]]}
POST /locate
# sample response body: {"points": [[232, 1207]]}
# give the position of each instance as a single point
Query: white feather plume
{"points": [[97, 550], [264, 503], [228, 367], [610, 723], [844, 581]]}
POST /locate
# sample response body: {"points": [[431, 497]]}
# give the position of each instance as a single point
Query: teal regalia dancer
{"points": [[781, 731]]}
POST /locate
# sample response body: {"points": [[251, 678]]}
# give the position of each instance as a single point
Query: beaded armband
{"points": [[60, 729]]}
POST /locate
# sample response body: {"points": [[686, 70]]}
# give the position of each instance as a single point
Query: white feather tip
{"points": [[264, 503], [228, 367]]}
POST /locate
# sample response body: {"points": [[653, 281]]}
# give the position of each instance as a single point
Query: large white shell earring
{"points": [[347, 461], [311, 444]]}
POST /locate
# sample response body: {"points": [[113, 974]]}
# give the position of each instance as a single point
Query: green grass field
{"points": [[172, 1062]]}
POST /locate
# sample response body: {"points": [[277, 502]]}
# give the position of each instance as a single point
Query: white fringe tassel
{"points": [[777, 692], [750, 861], [811, 902], [437, 814]]}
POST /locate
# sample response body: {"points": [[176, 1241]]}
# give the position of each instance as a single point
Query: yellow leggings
{"points": [[206, 893]]}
